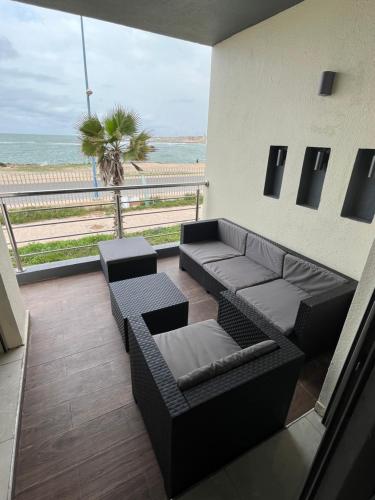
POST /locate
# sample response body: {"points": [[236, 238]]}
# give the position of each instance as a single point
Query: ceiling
{"points": [[202, 21]]}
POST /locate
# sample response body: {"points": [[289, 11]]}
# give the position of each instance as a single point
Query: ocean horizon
{"points": [[43, 149]]}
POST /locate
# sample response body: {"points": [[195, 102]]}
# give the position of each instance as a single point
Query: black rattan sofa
{"points": [[305, 300], [197, 430]]}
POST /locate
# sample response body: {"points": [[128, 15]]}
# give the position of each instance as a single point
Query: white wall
{"points": [[264, 88], [13, 330], [356, 312], [13, 316]]}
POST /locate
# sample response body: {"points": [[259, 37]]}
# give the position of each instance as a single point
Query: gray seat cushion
{"points": [[208, 251], [277, 300], [195, 345], [232, 235], [226, 364], [309, 277], [239, 272], [265, 253], [119, 250]]}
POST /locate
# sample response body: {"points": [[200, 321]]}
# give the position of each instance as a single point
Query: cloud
{"points": [[186, 100], [7, 50], [34, 111], [15, 73], [165, 81]]}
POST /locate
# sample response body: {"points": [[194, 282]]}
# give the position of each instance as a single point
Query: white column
{"points": [[357, 309], [13, 315]]}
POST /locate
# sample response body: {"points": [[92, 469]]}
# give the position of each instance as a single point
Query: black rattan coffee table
{"points": [[155, 297]]}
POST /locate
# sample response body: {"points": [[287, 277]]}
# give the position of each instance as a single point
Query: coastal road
{"points": [[131, 195], [73, 228]]}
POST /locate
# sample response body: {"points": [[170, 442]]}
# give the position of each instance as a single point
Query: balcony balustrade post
{"points": [[197, 205], [12, 239], [118, 214]]}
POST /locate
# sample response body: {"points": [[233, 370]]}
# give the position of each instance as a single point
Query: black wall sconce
{"points": [[281, 155], [312, 176], [326, 83], [321, 159], [371, 170]]}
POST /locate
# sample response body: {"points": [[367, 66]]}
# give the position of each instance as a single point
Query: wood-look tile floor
{"points": [[82, 436]]}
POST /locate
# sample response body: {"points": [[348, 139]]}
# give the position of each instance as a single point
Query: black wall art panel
{"points": [[359, 201], [313, 174], [275, 171]]}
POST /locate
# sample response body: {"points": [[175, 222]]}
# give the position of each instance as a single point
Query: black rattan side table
{"points": [[155, 297], [127, 258]]}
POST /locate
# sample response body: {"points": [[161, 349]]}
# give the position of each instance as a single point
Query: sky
{"points": [[42, 90]]}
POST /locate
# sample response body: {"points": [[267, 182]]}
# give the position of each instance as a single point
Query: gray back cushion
{"points": [[265, 253], [232, 235], [223, 365], [309, 277]]}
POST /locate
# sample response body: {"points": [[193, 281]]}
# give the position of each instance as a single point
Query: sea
{"points": [[62, 149]]}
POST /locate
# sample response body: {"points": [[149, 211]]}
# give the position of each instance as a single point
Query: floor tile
{"points": [[98, 403], [9, 385], [96, 356], [302, 402], [45, 373], [7, 424], [10, 380], [278, 467], [316, 421], [44, 460], [63, 486], [216, 487], [82, 436], [12, 355], [6, 451], [44, 425], [107, 471], [76, 385], [314, 373], [136, 488], [202, 310]]}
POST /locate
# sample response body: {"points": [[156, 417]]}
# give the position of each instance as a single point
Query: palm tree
{"points": [[113, 141]]}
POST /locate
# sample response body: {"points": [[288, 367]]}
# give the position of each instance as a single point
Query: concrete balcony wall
{"points": [[264, 91], [351, 327], [13, 332], [13, 315]]}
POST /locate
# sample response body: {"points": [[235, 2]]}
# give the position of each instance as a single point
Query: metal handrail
{"points": [[118, 213], [54, 223], [12, 238], [46, 192], [40, 209]]}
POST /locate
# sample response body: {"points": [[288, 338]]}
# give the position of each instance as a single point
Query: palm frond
{"points": [[87, 147], [138, 148], [137, 167], [90, 126], [121, 123], [92, 146]]}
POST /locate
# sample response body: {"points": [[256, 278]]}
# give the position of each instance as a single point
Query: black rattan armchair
{"points": [[196, 431]]}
